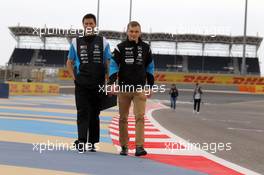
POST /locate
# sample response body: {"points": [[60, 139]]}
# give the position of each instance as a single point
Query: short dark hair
{"points": [[133, 24], [89, 15]]}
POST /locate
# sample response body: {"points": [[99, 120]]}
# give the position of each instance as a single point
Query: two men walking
{"points": [[131, 65]]}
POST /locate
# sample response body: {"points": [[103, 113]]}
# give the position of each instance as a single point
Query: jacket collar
{"points": [[133, 42], [89, 38]]}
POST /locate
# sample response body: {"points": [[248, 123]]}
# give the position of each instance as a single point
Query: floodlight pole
{"points": [[243, 65], [98, 13], [130, 11]]}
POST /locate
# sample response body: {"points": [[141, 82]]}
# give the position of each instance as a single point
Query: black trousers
{"points": [[196, 105], [87, 113]]}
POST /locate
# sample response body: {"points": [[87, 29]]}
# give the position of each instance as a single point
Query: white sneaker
{"points": [[193, 111], [198, 113]]}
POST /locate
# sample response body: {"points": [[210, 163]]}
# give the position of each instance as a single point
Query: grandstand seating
{"points": [[21, 56], [57, 58], [52, 58]]}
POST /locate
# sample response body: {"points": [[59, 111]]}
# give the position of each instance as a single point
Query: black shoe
{"points": [[140, 151], [92, 149], [124, 151], [80, 146]]}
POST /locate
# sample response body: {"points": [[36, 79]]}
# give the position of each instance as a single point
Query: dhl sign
{"points": [[248, 80], [163, 77], [21, 88], [199, 79], [169, 77]]}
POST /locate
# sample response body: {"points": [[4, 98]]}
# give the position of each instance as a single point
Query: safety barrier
{"points": [[253, 84], [24, 88]]}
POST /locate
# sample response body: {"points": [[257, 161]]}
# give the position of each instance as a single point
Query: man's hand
{"points": [[69, 65]]}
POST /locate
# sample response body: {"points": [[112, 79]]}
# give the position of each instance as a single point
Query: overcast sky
{"points": [[182, 16]]}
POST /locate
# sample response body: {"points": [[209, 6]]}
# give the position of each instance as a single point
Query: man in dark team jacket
{"points": [[133, 66], [86, 63]]}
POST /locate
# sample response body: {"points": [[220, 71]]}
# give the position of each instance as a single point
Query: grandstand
{"points": [[47, 49]]}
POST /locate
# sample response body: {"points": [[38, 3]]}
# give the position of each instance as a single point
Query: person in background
{"points": [[174, 93], [197, 97]]}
